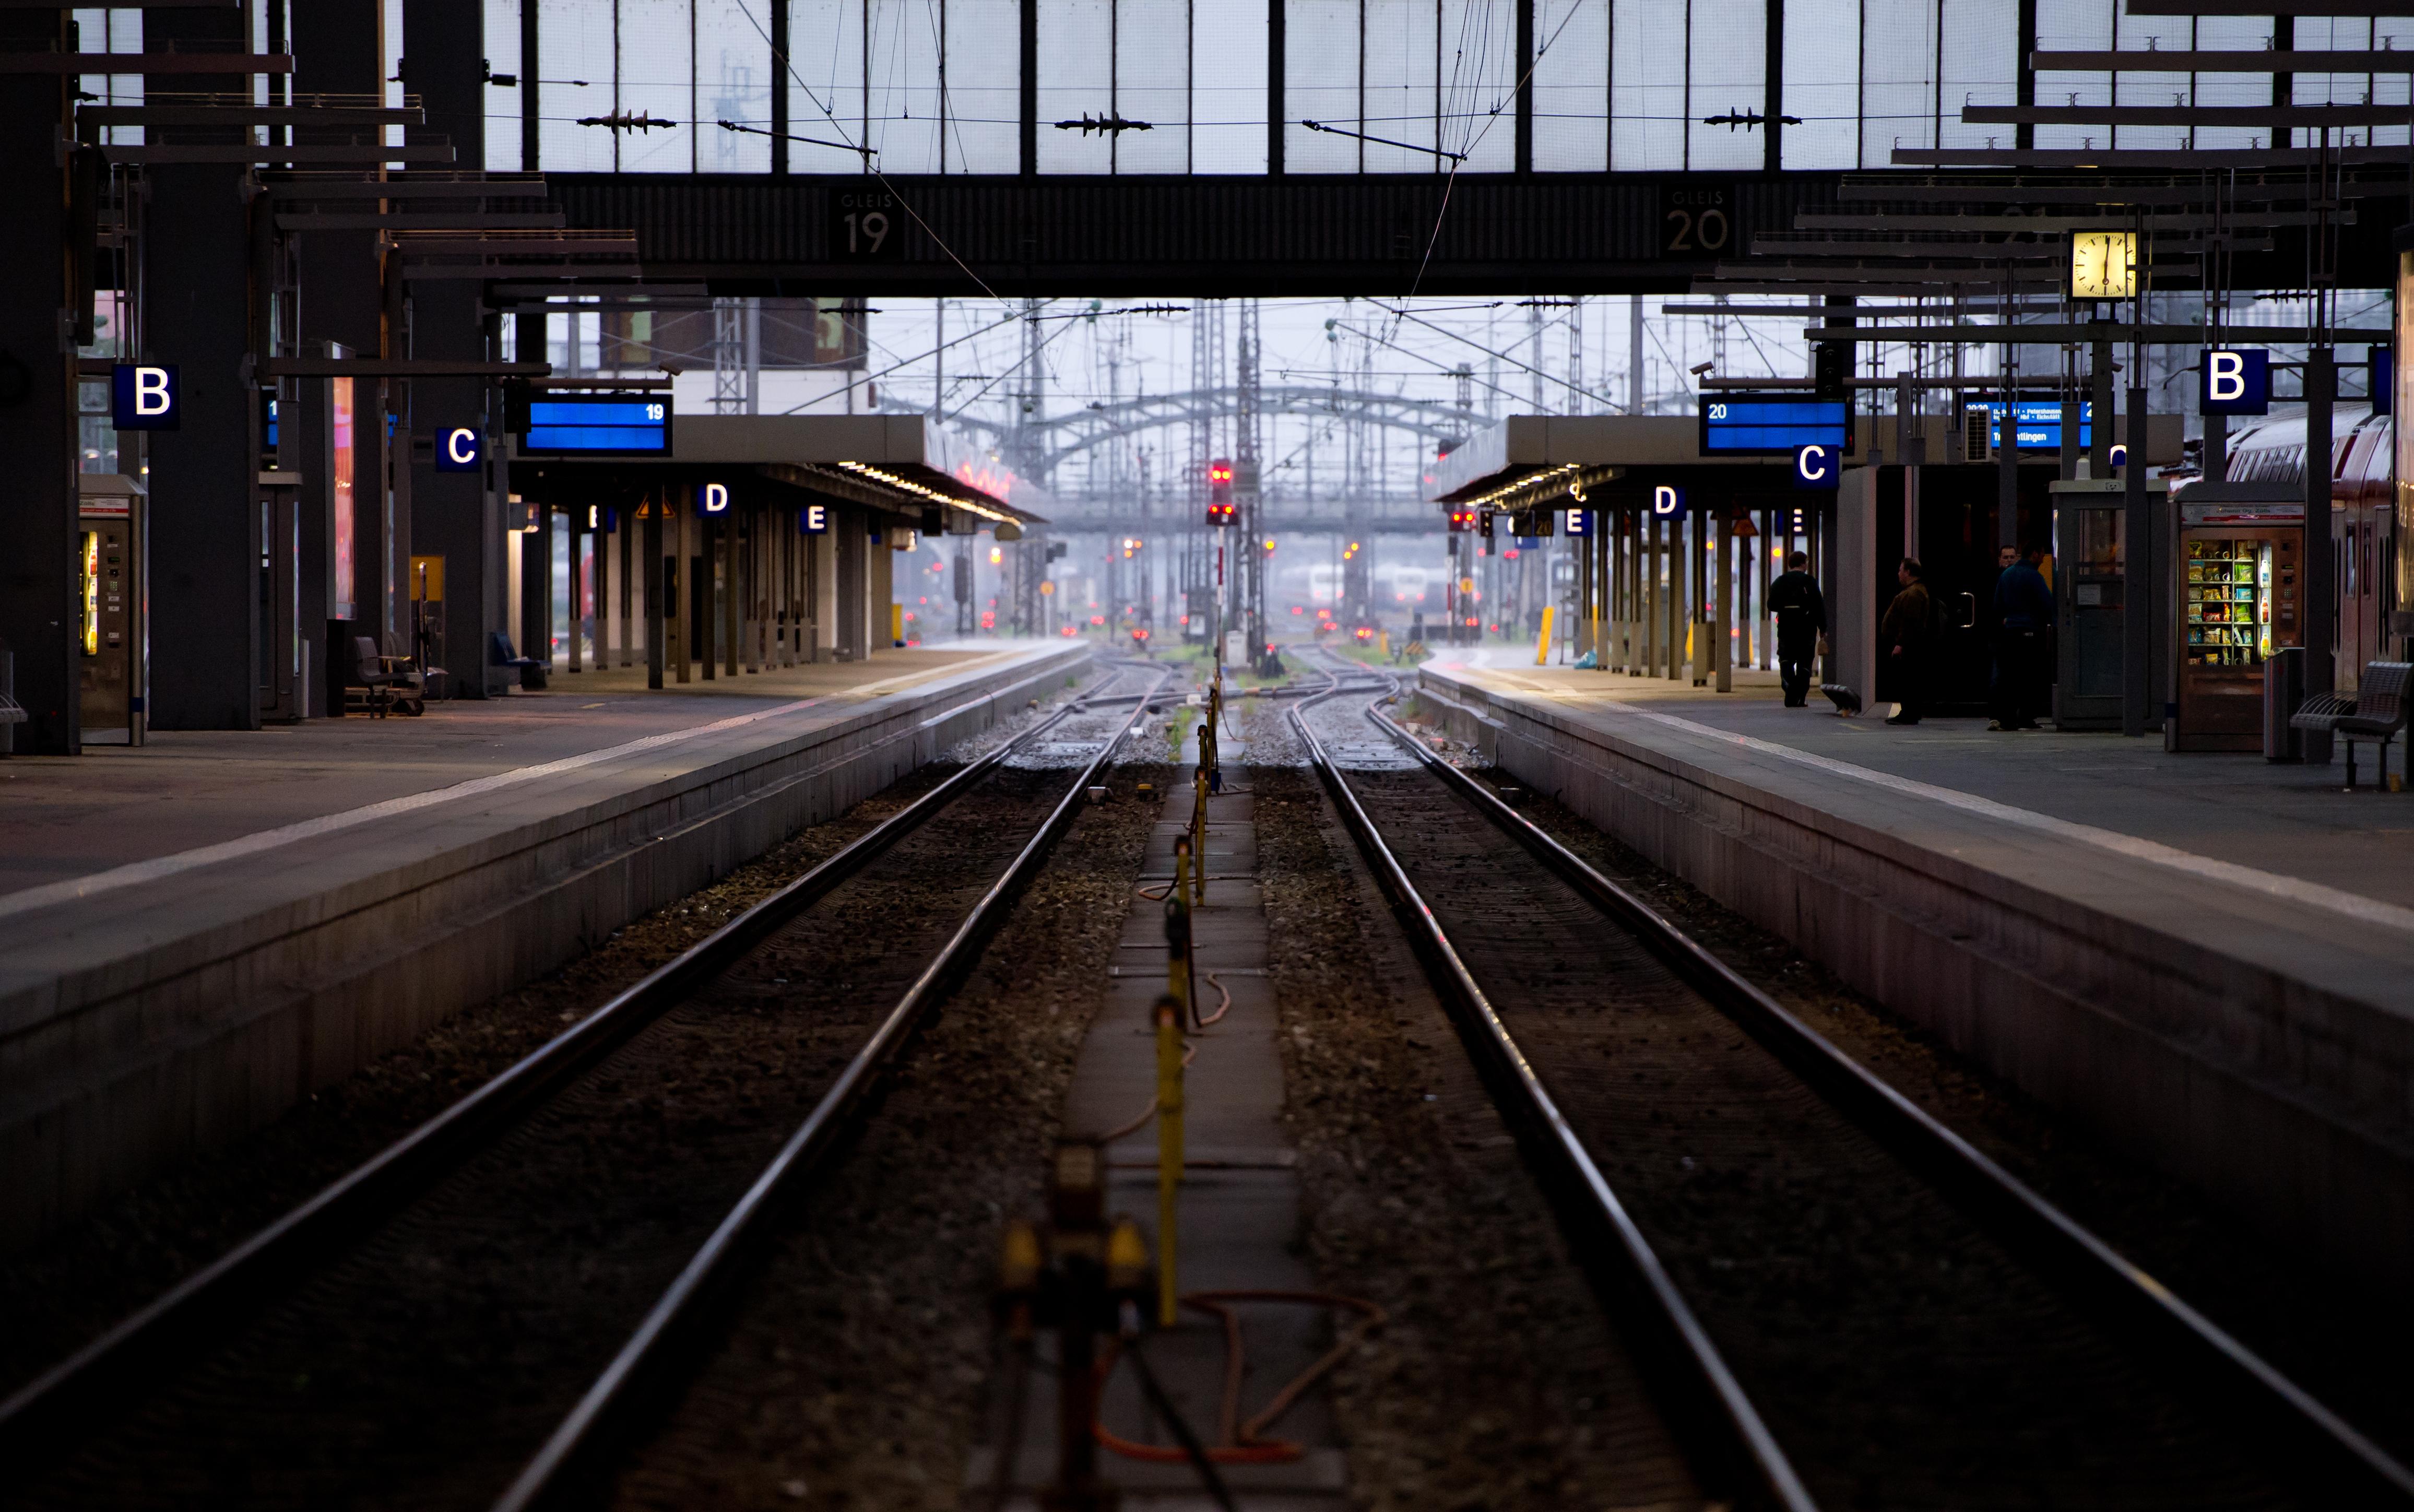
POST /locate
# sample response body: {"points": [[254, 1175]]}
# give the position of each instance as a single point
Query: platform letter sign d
{"points": [[1667, 498], [2235, 381], [1816, 466], [715, 498], [146, 397], [458, 449], [813, 519]]}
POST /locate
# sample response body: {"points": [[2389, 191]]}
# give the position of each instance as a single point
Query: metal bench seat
{"points": [[2375, 712]]}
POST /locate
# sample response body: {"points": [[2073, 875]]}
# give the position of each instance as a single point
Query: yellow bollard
{"points": [[1198, 843], [1543, 642], [1169, 1155]]}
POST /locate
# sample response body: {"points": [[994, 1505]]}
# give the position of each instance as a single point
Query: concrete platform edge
{"points": [[126, 1065], [2070, 1003]]}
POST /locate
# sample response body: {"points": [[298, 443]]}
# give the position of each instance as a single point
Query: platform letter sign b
{"points": [[1667, 498], [715, 498], [146, 397], [1815, 466], [457, 450], [2235, 381]]}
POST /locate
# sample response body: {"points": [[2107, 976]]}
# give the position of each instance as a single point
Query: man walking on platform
{"points": [[2023, 624], [1909, 630], [1801, 618]]}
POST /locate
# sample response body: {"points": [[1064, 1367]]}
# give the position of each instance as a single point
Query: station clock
{"points": [[2103, 264]]}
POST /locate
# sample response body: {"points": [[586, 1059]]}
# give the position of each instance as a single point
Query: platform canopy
{"points": [[1530, 460], [904, 462]]}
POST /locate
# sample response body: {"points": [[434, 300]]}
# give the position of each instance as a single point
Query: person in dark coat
{"points": [[2023, 643], [1909, 633], [1801, 613]]}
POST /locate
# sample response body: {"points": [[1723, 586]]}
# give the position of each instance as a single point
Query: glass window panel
{"points": [[1227, 88], [2071, 27], [1572, 85], [1646, 84], [825, 95], [732, 82], [574, 41], [113, 31], [1321, 83], [503, 106], [1898, 78], [2151, 86], [1729, 56], [1076, 79], [1153, 85], [1479, 82], [1981, 66], [905, 85], [1822, 82], [656, 81], [984, 87], [2391, 34], [2248, 34], [1402, 83]]}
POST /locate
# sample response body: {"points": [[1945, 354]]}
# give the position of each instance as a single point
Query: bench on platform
{"points": [[2375, 711], [392, 681], [500, 654]]}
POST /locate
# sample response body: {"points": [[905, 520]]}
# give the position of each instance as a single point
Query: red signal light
{"points": [[1462, 520]]}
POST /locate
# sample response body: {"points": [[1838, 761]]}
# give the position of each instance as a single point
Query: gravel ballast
{"points": [[1499, 1383]]}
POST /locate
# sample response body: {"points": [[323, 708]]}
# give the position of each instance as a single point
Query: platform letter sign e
{"points": [[1816, 466], [457, 450], [2234, 380], [146, 397], [813, 519], [1667, 498]]}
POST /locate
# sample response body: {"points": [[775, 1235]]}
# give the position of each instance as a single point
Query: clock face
{"points": [[2103, 264]]}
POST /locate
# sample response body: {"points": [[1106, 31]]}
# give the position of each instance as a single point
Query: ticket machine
{"points": [[111, 630]]}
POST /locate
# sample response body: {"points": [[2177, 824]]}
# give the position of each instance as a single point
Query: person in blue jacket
{"points": [[2023, 643]]}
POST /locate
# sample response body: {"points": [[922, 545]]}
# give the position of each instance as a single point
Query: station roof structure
{"points": [[892, 461], [1526, 461]]}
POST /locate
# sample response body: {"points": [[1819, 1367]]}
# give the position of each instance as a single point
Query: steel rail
{"points": [[580, 1447], [2204, 1359], [1726, 1433], [45, 1418]]}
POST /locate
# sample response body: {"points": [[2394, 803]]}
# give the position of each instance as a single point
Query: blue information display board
{"points": [[2037, 424], [598, 425], [1772, 424]]}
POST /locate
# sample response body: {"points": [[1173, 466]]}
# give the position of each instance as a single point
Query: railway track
{"points": [[1841, 1302], [468, 1318]]}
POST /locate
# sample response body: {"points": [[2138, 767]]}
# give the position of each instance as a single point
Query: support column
{"points": [[655, 630], [2137, 617], [575, 596], [706, 598], [204, 511], [1722, 642], [733, 592], [1648, 600], [38, 608], [2320, 587]]}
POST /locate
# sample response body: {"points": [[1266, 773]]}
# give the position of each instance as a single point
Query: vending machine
{"points": [[109, 635], [2238, 601]]}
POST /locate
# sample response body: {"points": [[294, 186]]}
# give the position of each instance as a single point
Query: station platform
{"points": [[198, 931], [2208, 958]]}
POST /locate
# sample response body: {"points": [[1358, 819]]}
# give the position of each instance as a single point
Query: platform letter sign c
{"points": [[1815, 467], [715, 498], [813, 519], [146, 397], [2234, 380], [457, 450], [1667, 498]]}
